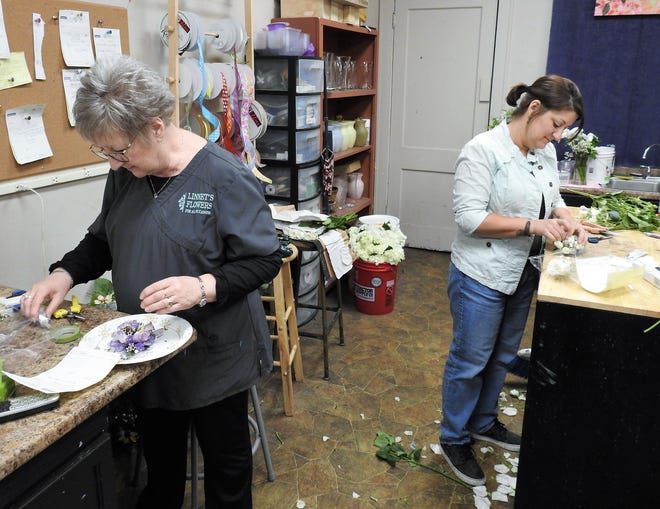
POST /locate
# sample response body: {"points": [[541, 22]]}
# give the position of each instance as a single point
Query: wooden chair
{"points": [[284, 329]]}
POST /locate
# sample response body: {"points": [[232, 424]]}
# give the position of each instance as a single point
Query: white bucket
{"points": [[379, 220], [601, 167]]}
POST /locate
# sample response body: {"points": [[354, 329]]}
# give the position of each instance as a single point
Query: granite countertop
{"points": [[24, 438]]}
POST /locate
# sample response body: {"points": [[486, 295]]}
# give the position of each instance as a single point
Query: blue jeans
{"points": [[487, 327]]}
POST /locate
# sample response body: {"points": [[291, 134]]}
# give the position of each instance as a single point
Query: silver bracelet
{"points": [[202, 301]]}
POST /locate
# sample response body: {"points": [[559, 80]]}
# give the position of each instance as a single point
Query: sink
{"points": [[648, 185]]}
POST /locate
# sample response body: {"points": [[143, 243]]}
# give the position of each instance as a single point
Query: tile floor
{"points": [[386, 378]]}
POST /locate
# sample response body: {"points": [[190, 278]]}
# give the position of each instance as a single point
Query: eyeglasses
{"points": [[117, 155]]}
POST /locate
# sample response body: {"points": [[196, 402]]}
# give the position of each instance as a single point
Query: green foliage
{"points": [[103, 293], [392, 452], [619, 211], [503, 117], [7, 385]]}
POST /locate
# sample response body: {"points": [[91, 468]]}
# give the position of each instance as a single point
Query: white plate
{"points": [[177, 332]]}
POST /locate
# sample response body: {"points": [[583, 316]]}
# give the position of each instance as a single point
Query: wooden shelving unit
{"points": [[359, 43]]}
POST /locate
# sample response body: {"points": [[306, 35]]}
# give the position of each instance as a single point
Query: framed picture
{"points": [[626, 7]]}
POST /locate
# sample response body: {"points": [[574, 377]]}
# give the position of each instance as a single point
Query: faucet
{"points": [[647, 167]]}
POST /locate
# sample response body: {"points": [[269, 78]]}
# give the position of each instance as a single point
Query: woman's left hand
{"points": [[170, 295]]}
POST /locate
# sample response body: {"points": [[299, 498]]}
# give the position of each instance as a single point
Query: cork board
{"points": [[69, 149]]}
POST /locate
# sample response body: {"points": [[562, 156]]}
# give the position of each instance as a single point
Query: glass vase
{"points": [[580, 170]]}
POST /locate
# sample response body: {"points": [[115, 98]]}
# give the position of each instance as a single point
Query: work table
{"points": [[589, 421], [643, 299], [30, 437]]}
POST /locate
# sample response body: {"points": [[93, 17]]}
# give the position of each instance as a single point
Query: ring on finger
{"points": [[169, 302], [27, 296]]}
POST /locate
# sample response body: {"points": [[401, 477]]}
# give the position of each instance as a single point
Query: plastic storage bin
{"points": [[302, 74], [309, 276], [307, 110], [274, 144], [307, 181]]}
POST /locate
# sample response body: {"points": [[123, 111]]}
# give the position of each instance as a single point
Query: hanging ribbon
{"points": [[243, 100], [210, 117], [227, 116]]}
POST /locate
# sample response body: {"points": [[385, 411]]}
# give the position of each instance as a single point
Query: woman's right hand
{"points": [[52, 289], [552, 229]]}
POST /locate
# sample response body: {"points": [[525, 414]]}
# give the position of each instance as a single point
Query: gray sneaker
{"points": [[461, 460], [500, 436]]}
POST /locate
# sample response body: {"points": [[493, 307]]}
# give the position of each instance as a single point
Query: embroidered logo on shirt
{"points": [[196, 203]]}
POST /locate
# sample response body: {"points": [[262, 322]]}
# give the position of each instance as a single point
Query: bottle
{"points": [[361, 132], [355, 185]]}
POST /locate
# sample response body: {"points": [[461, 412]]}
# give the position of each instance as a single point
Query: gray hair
{"points": [[121, 96]]}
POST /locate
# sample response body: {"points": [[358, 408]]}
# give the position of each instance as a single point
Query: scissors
{"points": [[596, 240]]}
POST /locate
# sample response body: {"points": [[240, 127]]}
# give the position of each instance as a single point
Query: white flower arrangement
{"points": [[582, 145], [377, 243]]}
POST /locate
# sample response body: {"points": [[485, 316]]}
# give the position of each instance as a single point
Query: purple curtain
{"points": [[616, 63]]}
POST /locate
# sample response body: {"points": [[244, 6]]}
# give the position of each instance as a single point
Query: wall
{"points": [[32, 240], [38, 229], [523, 28]]}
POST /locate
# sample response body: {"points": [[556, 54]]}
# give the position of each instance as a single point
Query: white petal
{"points": [[514, 392], [397, 398], [481, 502], [436, 448], [496, 495], [480, 491], [506, 479], [507, 490], [502, 469], [300, 504], [362, 416], [355, 495], [325, 438], [408, 432], [397, 439], [510, 411]]}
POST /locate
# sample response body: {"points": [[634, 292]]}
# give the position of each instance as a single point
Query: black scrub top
{"points": [[213, 212]]}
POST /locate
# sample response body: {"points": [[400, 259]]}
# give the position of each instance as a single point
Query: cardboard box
{"points": [[327, 9]]}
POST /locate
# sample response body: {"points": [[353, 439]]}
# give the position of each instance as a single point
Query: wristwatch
{"points": [[202, 302]]}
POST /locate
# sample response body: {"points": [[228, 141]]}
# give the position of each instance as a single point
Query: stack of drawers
{"points": [[289, 89]]}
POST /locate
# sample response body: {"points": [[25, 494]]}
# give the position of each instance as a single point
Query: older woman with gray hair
{"points": [[185, 229]]}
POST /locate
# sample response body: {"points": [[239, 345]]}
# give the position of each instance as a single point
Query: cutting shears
{"points": [[73, 313]]}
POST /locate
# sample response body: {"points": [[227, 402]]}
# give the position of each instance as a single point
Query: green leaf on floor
{"points": [[392, 452]]}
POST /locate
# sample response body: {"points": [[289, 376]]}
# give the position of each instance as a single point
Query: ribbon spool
{"points": [[66, 334]]}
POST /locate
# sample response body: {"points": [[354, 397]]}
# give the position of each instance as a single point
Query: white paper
{"points": [[4, 43], [75, 38], [38, 30], [81, 368], [71, 82], [107, 43], [27, 134]]}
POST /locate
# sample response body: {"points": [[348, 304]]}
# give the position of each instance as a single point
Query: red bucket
{"points": [[373, 287]]}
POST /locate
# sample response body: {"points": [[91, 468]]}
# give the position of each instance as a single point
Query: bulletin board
{"points": [[69, 149]]}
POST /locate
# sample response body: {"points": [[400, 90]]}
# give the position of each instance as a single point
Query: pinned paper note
{"points": [[38, 30], [71, 82], [75, 38], [107, 43], [14, 71], [27, 134]]}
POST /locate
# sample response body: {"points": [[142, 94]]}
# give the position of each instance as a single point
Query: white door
{"points": [[441, 80]]}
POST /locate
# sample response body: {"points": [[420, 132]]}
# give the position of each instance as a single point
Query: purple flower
{"points": [[132, 337]]}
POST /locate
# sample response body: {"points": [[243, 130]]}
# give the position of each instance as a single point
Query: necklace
{"points": [[153, 189]]}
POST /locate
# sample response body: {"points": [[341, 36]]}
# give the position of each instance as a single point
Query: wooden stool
{"points": [[283, 315]]}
